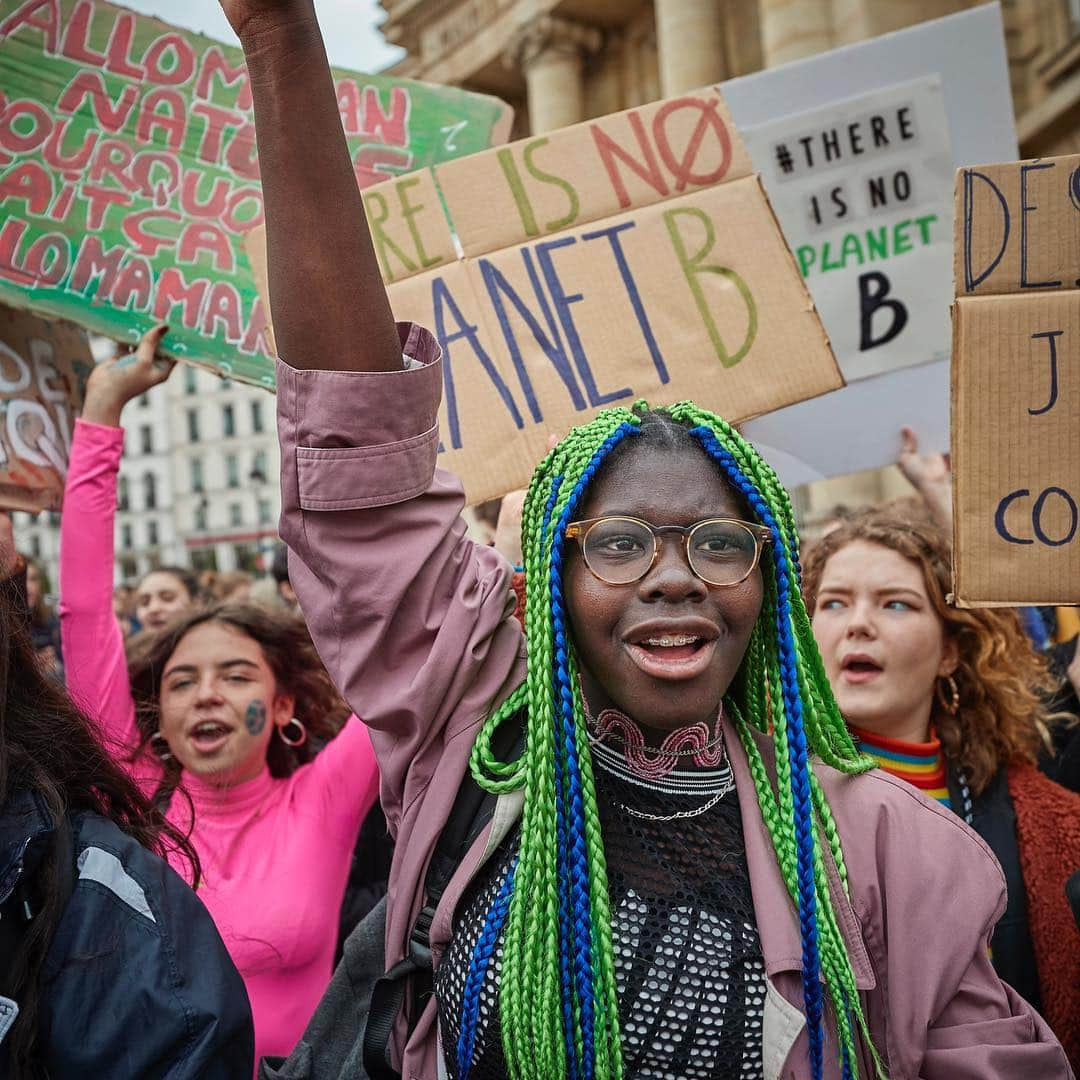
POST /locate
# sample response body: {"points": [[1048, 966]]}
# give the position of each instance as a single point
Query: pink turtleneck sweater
{"points": [[275, 852]]}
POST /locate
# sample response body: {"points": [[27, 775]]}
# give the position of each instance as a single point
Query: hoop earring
{"points": [[297, 737], [952, 705], [157, 740]]}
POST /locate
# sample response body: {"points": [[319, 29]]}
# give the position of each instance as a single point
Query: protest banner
{"points": [[635, 255], [863, 191], [44, 365], [1016, 384], [128, 172], [858, 427]]}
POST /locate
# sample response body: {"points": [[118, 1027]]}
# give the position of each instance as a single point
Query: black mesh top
{"points": [[688, 963]]}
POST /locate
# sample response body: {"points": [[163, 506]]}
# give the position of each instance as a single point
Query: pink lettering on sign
{"points": [[173, 289], [162, 110], [705, 158], [88, 87], [170, 60], [215, 66], [29, 183], [94, 264], [218, 122], [75, 161], [223, 306], [40, 15], [144, 242]]}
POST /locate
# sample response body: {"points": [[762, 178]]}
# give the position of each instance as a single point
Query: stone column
{"points": [[551, 51], [793, 29], [690, 38]]}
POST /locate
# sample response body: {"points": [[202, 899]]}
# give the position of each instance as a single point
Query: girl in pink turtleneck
{"points": [[214, 718]]}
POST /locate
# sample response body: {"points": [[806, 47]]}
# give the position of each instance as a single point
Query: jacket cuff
{"points": [[363, 439]]}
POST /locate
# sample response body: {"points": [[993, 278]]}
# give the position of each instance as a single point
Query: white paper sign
{"points": [[859, 427], [863, 191]]}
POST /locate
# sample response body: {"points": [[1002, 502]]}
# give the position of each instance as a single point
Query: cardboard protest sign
{"points": [[863, 190], [858, 427], [44, 366], [1016, 384], [128, 172], [631, 256]]}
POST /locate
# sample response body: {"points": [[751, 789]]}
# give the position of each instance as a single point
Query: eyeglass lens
{"points": [[620, 551]]}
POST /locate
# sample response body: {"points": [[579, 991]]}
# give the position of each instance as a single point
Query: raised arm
{"points": [[330, 309], [93, 645]]}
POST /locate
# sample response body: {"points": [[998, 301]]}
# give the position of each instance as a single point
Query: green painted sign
{"points": [[128, 173]]}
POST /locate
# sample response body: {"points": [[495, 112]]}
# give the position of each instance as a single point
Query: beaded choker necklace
{"points": [[656, 762], [655, 768]]}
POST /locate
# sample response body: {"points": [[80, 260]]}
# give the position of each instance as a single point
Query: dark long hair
{"points": [[48, 747], [286, 644]]}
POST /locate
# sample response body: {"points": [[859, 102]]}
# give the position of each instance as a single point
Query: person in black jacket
{"points": [[109, 964]]}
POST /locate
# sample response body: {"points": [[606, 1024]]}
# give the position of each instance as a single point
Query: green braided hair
{"points": [[557, 998]]}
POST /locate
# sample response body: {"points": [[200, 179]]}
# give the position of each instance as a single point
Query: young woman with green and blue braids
{"points": [[689, 870]]}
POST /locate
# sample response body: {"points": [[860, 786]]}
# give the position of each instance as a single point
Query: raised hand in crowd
{"points": [[113, 383], [929, 475], [318, 244]]}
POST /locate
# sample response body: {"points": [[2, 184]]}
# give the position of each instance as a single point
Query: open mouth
{"points": [[671, 654], [209, 736], [860, 668], [671, 646]]}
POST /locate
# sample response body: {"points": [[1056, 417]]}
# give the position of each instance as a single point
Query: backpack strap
{"points": [[473, 808]]}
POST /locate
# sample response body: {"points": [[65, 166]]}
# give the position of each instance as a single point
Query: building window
{"points": [[195, 464], [152, 534], [200, 517], [144, 400], [146, 439], [236, 515], [232, 471], [259, 473], [246, 557], [125, 537], [193, 425], [257, 412], [266, 512], [228, 421], [129, 569], [122, 502], [189, 379], [35, 546], [149, 483]]}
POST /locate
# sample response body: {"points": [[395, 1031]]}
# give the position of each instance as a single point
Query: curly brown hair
{"points": [[287, 646], [1000, 676]]}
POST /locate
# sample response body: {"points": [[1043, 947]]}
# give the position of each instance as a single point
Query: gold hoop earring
{"points": [[157, 742], [298, 735], [952, 705]]}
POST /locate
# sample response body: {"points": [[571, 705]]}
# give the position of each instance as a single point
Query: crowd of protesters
{"points": [[635, 788]]}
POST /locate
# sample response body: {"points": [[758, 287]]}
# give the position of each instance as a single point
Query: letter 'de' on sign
{"points": [[1016, 383]]}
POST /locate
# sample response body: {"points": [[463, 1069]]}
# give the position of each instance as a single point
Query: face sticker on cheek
{"points": [[255, 717]]}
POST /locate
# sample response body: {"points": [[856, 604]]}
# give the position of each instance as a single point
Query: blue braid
{"points": [[565, 932], [797, 753], [474, 981], [570, 792]]}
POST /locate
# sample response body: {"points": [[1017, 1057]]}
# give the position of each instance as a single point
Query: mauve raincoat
{"points": [[414, 622]]}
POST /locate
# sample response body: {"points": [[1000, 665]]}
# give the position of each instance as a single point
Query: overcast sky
{"points": [[349, 27]]}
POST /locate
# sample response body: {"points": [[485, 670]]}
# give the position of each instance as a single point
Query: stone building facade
{"points": [[562, 61]]}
